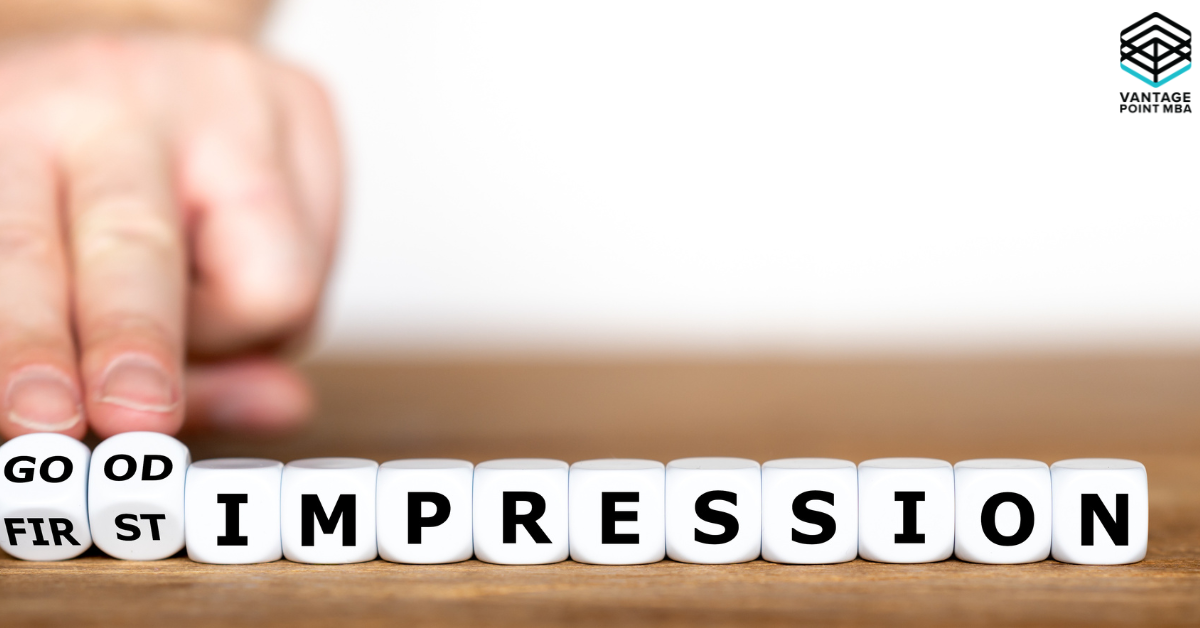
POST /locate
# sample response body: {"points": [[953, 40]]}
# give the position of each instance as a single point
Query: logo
{"points": [[1156, 50]]}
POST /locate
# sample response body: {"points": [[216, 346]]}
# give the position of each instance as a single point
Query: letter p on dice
{"points": [[135, 495], [43, 497]]}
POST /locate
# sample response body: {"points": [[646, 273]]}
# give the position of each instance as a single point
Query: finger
{"points": [[256, 256], [129, 268], [37, 352], [248, 396]]}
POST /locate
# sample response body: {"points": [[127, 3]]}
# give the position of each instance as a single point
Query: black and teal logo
{"points": [[1156, 50]]}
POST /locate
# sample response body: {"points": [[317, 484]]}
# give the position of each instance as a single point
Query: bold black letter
{"points": [[134, 532], [910, 499], [130, 469], [154, 519], [66, 473], [10, 524], [58, 534], [609, 516], [1118, 530], [988, 519], [537, 508], [26, 474], [724, 519], [311, 510], [38, 538], [802, 512], [441, 512], [148, 461], [232, 519]]}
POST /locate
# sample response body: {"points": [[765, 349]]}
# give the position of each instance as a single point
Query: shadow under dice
{"points": [[43, 497], [135, 495]]}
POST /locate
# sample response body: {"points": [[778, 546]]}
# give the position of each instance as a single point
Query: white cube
{"points": [[714, 510], [232, 511], [905, 510], [810, 511], [135, 495], [424, 511], [617, 512], [327, 510], [43, 497], [1002, 512], [1101, 511], [521, 511]]}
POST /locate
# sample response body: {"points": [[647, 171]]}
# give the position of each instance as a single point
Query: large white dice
{"points": [[810, 511], [135, 495], [424, 511], [617, 512], [327, 510], [43, 497], [1101, 511], [232, 510], [714, 510], [1002, 511], [905, 510], [521, 511]]}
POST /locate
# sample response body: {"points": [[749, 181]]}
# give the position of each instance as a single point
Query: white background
{"points": [[751, 176]]}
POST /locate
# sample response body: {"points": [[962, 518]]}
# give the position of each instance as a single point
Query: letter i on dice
{"points": [[424, 511], [232, 508], [43, 497], [714, 510], [135, 495], [617, 510], [905, 510]]}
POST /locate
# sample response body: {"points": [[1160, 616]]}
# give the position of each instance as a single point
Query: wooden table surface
{"points": [[1145, 407]]}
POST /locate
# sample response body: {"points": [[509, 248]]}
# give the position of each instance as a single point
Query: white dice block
{"points": [[905, 510], [714, 510], [1002, 512], [424, 511], [617, 512], [1101, 511], [135, 495], [520, 511], [810, 511], [232, 511], [327, 510], [43, 497]]}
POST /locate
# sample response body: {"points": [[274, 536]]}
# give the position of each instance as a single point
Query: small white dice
{"points": [[232, 511], [135, 495], [1101, 511], [714, 510], [617, 512], [810, 511], [905, 510], [424, 511], [43, 497], [521, 511], [1002, 511], [327, 510]]}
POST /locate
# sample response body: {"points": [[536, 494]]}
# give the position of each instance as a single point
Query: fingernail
{"points": [[43, 400], [138, 383]]}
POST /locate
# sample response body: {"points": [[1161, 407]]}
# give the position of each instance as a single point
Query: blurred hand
{"points": [[163, 199]]}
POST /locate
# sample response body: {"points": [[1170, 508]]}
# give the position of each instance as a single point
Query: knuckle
{"points": [[101, 235], [273, 306], [24, 241]]}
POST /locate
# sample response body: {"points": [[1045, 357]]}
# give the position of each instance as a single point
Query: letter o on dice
{"points": [[521, 511], [43, 497], [617, 512], [905, 510], [327, 510], [135, 495], [232, 507], [1002, 511], [1101, 511], [424, 511], [714, 510], [810, 511]]}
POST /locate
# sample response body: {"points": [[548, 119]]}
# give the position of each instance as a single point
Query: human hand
{"points": [[165, 200]]}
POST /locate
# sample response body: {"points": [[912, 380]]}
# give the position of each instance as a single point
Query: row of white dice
{"points": [[146, 501]]}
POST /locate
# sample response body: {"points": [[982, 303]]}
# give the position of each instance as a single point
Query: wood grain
{"points": [[1145, 407]]}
